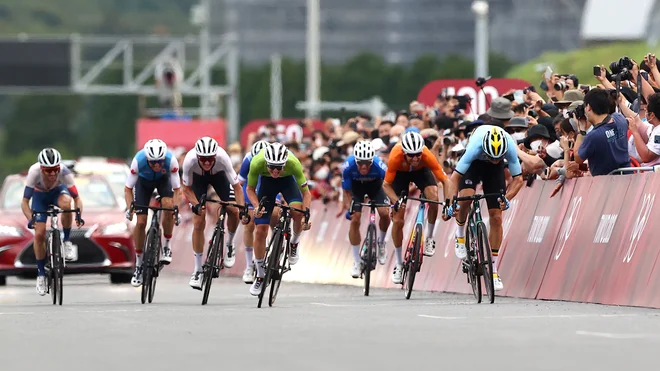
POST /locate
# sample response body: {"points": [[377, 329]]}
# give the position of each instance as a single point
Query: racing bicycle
{"points": [[277, 253], [153, 248], [414, 257], [479, 260], [369, 250], [55, 262], [215, 252]]}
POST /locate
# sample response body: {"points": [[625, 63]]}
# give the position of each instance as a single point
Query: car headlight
{"points": [[117, 228], [9, 231]]}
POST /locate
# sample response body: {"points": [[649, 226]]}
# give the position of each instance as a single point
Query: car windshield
{"points": [[95, 194]]}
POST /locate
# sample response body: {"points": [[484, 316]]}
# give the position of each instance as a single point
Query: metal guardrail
{"points": [[628, 170]]}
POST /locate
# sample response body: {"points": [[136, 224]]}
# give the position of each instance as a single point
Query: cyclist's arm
{"points": [[515, 169], [70, 184], [189, 162], [253, 178], [396, 158], [175, 181], [25, 203], [302, 183], [131, 180], [429, 160], [346, 183], [232, 177], [244, 170]]}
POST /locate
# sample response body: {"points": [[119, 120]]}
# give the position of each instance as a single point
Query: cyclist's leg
{"points": [[266, 188], [64, 201], [357, 192], [377, 194], [494, 182], [466, 187], [425, 181], [143, 190], [40, 202], [166, 193], [401, 183], [225, 192], [248, 241], [293, 197], [199, 187]]}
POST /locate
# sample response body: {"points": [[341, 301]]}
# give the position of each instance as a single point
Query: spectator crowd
{"points": [[576, 130]]}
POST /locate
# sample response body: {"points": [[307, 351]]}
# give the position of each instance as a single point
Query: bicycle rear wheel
{"points": [[413, 263], [209, 266], [368, 258], [486, 261], [471, 243], [272, 253], [155, 266], [277, 275]]}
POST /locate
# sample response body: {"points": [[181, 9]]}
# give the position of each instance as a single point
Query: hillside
{"points": [[96, 16]]}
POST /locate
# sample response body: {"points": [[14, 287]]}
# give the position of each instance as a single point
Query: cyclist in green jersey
{"points": [[281, 172]]}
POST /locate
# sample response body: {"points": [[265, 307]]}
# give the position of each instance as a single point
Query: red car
{"points": [[104, 244]]}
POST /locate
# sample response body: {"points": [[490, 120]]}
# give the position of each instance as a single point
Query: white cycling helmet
{"points": [[364, 151], [49, 157], [412, 142], [155, 149], [276, 154], [258, 146], [495, 143], [206, 146]]}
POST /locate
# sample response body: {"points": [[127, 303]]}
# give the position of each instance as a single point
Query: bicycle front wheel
{"points": [[209, 266], [279, 272], [368, 258], [472, 260], [272, 254], [155, 266], [413, 263], [486, 261]]}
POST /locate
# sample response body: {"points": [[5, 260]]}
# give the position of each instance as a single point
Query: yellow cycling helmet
{"points": [[495, 143]]}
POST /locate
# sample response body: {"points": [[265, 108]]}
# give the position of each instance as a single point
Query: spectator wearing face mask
{"points": [[542, 144], [384, 130], [517, 127], [648, 150]]}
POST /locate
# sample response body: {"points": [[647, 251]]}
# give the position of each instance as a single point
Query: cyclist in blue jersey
{"points": [[483, 161], [153, 167], [248, 232], [362, 175]]}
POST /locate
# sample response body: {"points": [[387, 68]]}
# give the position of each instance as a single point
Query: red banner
{"points": [[493, 89], [179, 133]]}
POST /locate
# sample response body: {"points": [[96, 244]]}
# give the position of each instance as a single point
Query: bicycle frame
{"points": [[421, 212]]}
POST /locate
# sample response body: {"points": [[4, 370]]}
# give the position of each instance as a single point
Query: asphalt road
{"points": [[311, 327]]}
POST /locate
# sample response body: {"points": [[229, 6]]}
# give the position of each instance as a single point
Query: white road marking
{"points": [[545, 316], [609, 335]]}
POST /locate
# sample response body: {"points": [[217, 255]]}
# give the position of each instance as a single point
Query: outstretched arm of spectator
{"points": [[530, 163], [642, 148]]}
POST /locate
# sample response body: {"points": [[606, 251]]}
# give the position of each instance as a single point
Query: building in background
{"points": [[399, 30]]}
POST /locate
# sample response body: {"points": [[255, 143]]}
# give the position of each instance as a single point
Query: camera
{"points": [[449, 141], [561, 85], [579, 112], [481, 81], [429, 141], [449, 163], [621, 68]]}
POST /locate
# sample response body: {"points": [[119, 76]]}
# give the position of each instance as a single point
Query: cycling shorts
{"points": [[422, 178], [41, 201], [270, 187], [490, 175], [373, 189], [144, 189]]}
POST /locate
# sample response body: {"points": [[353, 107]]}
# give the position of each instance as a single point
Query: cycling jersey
{"points": [[399, 163], [222, 164], [34, 182], [140, 169], [245, 168], [293, 167], [474, 151], [350, 172]]}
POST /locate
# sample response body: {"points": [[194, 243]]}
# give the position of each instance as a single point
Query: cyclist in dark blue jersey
{"points": [[362, 175]]}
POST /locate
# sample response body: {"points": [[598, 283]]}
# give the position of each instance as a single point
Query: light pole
{"points": [[480, 9], [313, 57]]}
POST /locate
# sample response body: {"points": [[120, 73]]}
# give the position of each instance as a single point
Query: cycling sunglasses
{"points": [[157, 162], [364, 163], [276, 167], [206, 158], [414, 155], [51, 170]]}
